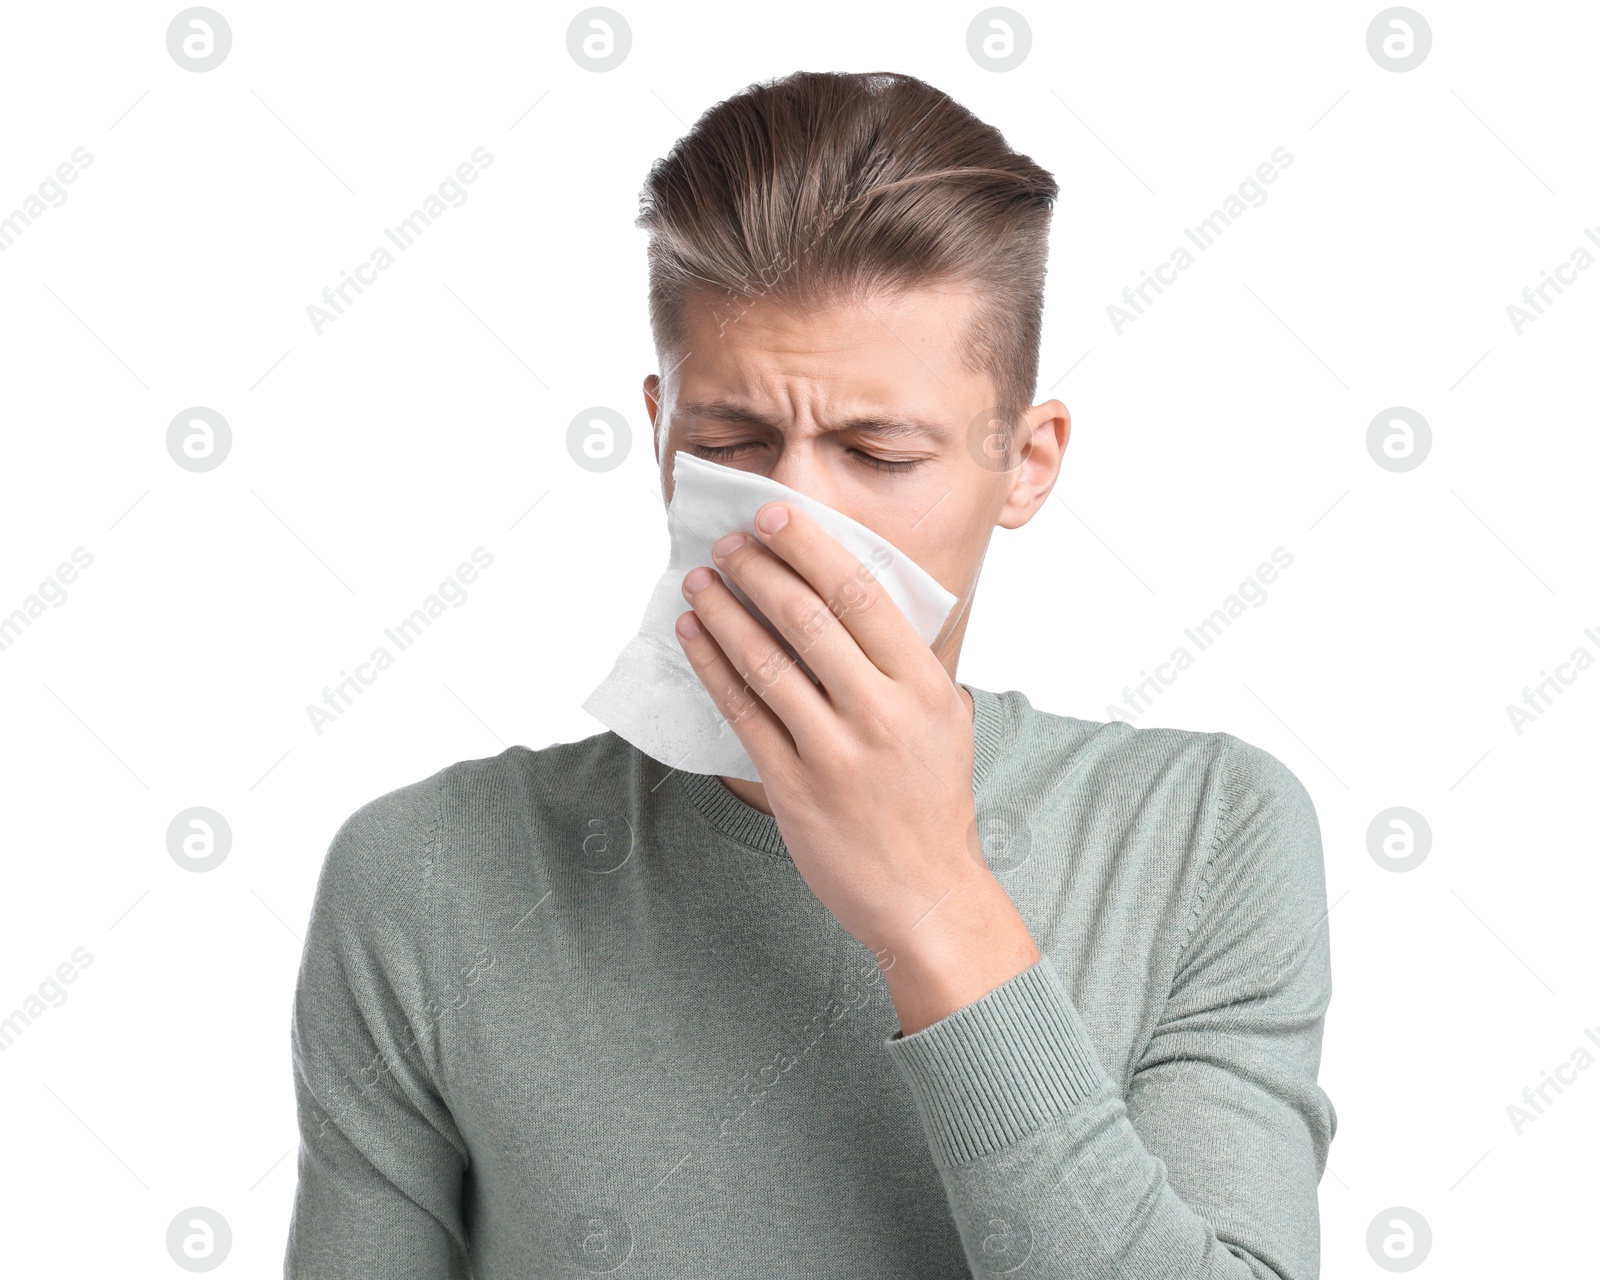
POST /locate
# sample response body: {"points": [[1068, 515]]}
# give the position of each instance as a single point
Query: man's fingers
{"points": [[756, 725]]}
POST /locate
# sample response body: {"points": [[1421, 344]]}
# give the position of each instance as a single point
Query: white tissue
{"points": [[653, 698]]}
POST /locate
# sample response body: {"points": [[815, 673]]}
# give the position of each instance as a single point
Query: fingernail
{"points": [[773, 519], [727, 546]]}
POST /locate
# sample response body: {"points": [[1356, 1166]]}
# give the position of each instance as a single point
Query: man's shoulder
{"points": [[1050, 740], [482, 806], [1216, 774], [1214, 826]]}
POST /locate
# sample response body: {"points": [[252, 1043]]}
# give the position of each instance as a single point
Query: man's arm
{"points": [[381, 1160], [1208, 1166]]}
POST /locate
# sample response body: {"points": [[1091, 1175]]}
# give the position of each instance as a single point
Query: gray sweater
{"points": [[568, 1011]]}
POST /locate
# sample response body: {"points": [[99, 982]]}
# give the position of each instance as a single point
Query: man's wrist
{"points": [[965, 946]]}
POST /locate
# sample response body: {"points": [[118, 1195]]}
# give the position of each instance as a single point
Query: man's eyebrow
{"points": [[884, 424]]}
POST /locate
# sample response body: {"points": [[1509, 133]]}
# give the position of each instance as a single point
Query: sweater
{"points": [[568, 1011]]}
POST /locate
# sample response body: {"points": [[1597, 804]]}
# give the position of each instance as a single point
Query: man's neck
{"points": [[755, 795]]}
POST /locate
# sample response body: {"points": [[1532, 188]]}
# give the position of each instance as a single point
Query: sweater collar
{"points": [[749, 826]]}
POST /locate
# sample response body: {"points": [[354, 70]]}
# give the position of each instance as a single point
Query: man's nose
{"points": [[801, 470]]}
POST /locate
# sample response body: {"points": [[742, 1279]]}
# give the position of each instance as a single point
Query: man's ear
{"points": [[1046, 429], [652, 405]]}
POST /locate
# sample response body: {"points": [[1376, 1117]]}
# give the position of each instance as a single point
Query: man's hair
{"points": [[826, 187]]}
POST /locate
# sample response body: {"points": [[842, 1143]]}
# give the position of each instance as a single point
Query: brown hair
{"points": [[825, 186]]}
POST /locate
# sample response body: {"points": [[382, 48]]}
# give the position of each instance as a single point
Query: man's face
{"points": [[866, 409]]}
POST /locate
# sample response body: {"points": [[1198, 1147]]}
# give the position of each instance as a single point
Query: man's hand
{"points": [[869, 775]]}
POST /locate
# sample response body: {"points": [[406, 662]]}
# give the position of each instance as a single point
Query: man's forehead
{"points": [[880, 420], [873, 349]]}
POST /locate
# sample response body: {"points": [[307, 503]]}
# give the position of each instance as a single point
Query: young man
{"points": [[961, 987]]}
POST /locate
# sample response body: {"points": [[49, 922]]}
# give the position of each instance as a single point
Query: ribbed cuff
{"points": [[999, 1068]]}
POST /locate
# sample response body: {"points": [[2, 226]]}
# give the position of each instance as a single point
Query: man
{"points": [[961, 987]]}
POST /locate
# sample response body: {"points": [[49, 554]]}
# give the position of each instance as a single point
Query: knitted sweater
{"points": [[568, 1011]]}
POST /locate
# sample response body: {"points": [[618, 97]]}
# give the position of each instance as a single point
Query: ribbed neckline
{"points": [[749, 826]]}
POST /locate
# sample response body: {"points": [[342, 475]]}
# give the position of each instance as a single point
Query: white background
{"points": [[430, 419]]}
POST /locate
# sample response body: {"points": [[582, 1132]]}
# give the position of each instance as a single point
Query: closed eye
{"points": [[872, 460]]}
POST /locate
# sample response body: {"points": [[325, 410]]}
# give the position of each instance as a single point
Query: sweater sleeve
{"points": [[1207, 1164], [381, 1161]]}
